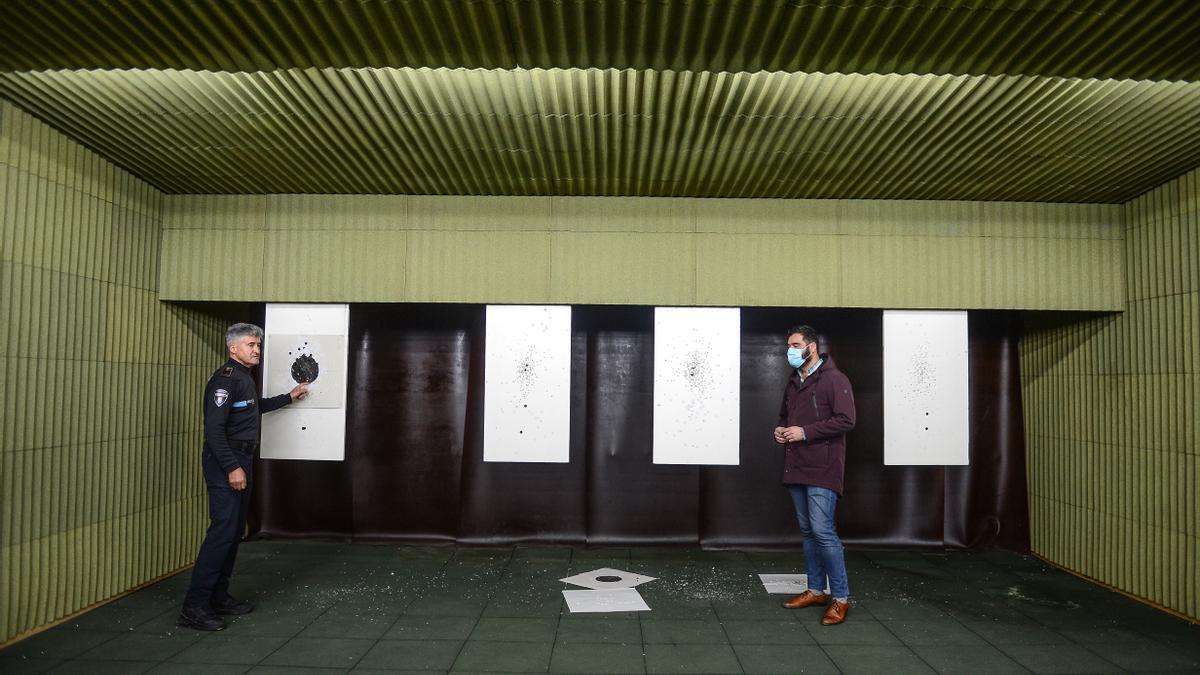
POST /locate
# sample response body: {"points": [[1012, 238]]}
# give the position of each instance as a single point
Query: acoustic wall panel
{"points": [[697, 381], [100, 382], [306, 343], [527, 384], [925, 391]]}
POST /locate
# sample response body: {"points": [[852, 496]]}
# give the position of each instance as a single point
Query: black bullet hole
{"points": [[303, 428], [926, 428]]}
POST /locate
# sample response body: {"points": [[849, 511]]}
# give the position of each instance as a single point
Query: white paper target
{"points": [[318, 359], [925, 388], [527, 384], [607, 577], [308, 338], [788, 584], [613, 600], [697, 385]]}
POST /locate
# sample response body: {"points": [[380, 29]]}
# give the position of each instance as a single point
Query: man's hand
{"points": [[237, 479], [779, 437], [300, 391], [793, 434]]}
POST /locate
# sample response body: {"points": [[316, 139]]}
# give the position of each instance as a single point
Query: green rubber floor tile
{"points": [[292, 670], [741, 632], [854, 631], [1015, 633], [230, 648], [59, 643], [197, 669], [531, 606], [541, 553], [345, 623], [872, 659], [756, 609], [89, 667], [110, 617], [1066, 658], [587, 629], [320, 653], [445, 606], [412, 655], [783, 659], [719, 658], [901, 609], [431, 628], [515, 630], [977, 660], [577, 657], [505, 657], [22, 665], [948, 632], [1144, 655], [682, 631], [143, 647], [484, 555], [1103, 635], [272, 622]]}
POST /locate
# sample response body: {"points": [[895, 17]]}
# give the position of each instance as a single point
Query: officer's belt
{"points": [[244, 446]]}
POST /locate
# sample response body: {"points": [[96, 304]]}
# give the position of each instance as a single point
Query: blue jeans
{"points": [[815, 507]]}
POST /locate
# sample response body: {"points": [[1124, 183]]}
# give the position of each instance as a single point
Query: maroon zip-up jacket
{"points": [[823, 405]]}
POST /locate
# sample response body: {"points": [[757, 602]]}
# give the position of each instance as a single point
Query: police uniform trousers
{"points": [[227, 521]]}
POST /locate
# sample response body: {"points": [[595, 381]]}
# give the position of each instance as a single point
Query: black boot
{"points": [[231, 605], [200, 619]]}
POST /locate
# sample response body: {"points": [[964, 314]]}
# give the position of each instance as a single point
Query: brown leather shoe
{"points": [[806, 599], [835, 614]]}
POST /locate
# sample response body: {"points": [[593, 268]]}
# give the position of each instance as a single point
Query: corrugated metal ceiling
{"points": [[1146, 39], [919, 99]]}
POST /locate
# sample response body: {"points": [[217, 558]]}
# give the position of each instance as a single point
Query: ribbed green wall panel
{"points": [[850, 253], [368, 265], [476, 266], [212, 264], [1111, 410], [99, 479]]}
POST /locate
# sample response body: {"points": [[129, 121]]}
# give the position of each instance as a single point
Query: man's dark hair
{"points": [[810, 335], [807, 332]]}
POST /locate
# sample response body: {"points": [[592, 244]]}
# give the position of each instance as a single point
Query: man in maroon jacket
{"points": [[816, 414]]}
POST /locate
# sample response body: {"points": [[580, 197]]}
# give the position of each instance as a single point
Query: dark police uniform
{"points": [[232, 411]]}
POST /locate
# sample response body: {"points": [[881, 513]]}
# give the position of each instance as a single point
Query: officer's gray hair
{"points": [[240, 330]]}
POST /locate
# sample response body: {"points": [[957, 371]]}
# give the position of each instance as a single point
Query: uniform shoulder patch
{"points": [[227, 371], [220, 396]]}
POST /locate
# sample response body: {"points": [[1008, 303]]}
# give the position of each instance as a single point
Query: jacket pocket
{"points": [[815, 454]]}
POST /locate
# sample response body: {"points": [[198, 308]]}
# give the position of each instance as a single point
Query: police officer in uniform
{"points": [[232, 410]]}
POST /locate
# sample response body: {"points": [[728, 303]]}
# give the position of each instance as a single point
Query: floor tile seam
{"points": [[908, 647], [983, 637], [463, 647], [728, 639], [114, 636], [1088, 647], [1117, 668]]}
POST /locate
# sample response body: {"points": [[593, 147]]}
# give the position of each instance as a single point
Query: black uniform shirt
{"points": [[232, 410]]}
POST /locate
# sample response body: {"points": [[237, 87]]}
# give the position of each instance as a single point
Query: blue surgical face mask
{"points": [[796, 357]]}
